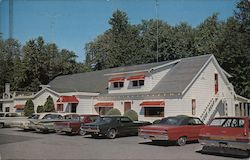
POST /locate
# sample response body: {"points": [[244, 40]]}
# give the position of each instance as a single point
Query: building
{"points": [[195, 86]]}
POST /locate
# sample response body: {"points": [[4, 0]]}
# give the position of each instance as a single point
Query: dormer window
{"points": [[118, 84], [138, 83]]}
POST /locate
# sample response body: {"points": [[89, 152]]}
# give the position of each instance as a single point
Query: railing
{"points": [[209, 107]]}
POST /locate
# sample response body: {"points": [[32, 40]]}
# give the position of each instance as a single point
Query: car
{"points": [[9, 119], [111, 126], [46, 124], [226, 135], [179, 129], [30, 123], [73, 123]]}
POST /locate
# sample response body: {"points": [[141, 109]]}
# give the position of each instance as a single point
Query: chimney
{"points": [[7, 87]]}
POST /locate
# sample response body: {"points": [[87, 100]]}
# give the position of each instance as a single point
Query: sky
{"points": [[73, 23]]}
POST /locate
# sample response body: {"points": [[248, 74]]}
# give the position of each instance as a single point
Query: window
{"points": [[195, 121], [60, 107], [103, 110], [125, 120], [1, 107], [154, 111], [7, 109], [193, 106], [118, 84], [216, 83], [138, 83]]}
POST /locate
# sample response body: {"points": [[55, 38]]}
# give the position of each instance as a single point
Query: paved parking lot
{"points": [[17, 144]]}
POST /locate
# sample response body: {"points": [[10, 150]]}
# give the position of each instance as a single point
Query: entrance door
{"points": [[73, 107], [127, 106]]}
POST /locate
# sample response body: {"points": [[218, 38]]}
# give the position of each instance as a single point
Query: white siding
{"points": [[42, 98], [85, 105], [203, 90]]}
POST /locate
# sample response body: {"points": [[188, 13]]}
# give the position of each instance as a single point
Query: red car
{"points": [[227, 134], [73, 123], [180, 129]]}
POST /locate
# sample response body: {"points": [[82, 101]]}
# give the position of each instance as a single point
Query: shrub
{"points": [[113, 111], [132, 115], [39, 109], [29, 108], [49, 105]]}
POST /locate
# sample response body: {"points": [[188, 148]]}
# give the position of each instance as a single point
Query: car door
{"points": [[234, 129], [126, 125], [194, 127]]}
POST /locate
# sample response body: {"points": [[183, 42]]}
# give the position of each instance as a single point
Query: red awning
{"points": [[19, 106], [139, 77], [104, 104], [117, 79], [68, 99], [153, 104]]}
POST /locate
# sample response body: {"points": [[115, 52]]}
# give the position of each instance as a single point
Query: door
{"points": [[195, 125], [125, 126], [73, 107], [127, 106]]}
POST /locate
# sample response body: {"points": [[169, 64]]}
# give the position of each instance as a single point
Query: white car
{"points": [[9, 119]]}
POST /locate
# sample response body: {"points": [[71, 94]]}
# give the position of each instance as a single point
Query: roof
{"points": [[175, 81], [181, 75], [94, 82], [68, 99]]}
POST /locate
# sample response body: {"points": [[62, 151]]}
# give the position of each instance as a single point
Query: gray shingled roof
{"points": [[174, 82], [179, 77], [95, 81]]}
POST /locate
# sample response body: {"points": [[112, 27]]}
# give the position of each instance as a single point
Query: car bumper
{"points": [[42, 128], [226, 144], [159, 137], [87, 130]]}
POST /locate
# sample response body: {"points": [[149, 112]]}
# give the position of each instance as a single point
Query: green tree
{"points": [[113, 111], [29, 108], [39, 109], [132, 115], [49, 105]]}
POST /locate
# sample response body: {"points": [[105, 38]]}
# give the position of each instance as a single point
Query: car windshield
{"points": [[103, 119], [171, 121], [52, 116], [35, 116]]}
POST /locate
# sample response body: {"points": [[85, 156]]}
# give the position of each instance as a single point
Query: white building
{"points": [[195, 86]]}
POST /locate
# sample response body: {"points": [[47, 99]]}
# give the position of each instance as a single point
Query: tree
{"points": [[49, 105], [132, 115], [39, 109], [113, 111], [29, 108]]}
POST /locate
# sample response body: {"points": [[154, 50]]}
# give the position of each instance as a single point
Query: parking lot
{"points": [[18, 144]]}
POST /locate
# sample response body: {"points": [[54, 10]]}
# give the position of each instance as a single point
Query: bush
{"points": [[132, 115], [29, 108], [113, 111], [49, 105], [39, 109]]}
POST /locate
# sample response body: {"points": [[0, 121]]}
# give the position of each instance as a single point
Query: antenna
{"points": [[10, 18], [53, 17], [157, 30]]}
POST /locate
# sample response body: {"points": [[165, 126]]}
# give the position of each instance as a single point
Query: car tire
{"points": [[1, 125], [181, 141], [82, 133], [111, 134]]}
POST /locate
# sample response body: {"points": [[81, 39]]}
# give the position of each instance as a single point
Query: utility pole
{"points": [[10, 18], [157, 30]]}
